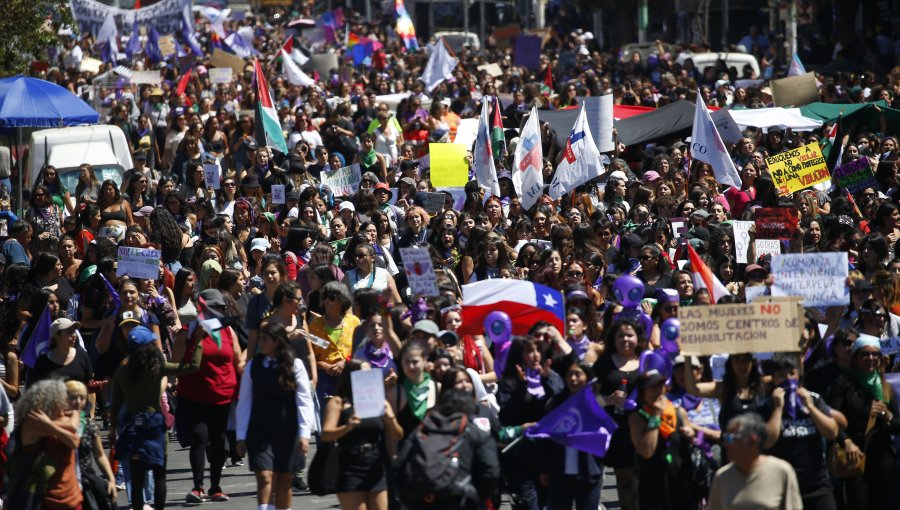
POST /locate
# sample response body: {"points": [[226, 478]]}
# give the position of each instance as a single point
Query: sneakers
{"points": [[299, 483], [195, 497], [236, 462], [217, 495]]}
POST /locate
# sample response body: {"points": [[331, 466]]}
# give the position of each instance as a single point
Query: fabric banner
{"points": [[855, 176], [798, 168], [165, 15], [527, 52], [819, 278]]}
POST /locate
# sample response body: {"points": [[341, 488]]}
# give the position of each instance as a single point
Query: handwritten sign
{"points": [[368, 393], [145, 77], [739, 328], [344, 181], [278, 194], [434, 202], [855, 176], [776, 222], [91, 65], [819, 278], [448, 164], [211, 173], [890, 345], [221, 58], [419, 271], [741, 239], [767, 247], [679, 226], [140, 263], [220, 74], [167, 45], [798, 169]]}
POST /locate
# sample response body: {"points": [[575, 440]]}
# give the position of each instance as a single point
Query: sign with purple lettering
{"points": [[854, 176]]}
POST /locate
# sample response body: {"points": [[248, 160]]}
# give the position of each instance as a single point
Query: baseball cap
{"points": [[347, 205], [754, 267], [260, 244], [651, 176], [618, 174], [427, 326], [138, 336], [62, 324], [681, 359], [213, 297]]}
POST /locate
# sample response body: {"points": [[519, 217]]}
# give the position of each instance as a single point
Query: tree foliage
{"points": [[29, 28]]}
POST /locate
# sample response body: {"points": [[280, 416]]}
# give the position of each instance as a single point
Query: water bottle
{"points": [[623, 387]]}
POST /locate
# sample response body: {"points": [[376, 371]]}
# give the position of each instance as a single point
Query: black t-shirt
{"points": [[801, 445], [78, 370]]}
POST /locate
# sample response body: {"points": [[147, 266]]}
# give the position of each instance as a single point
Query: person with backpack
{"points": [[362, 445], [448, 462]]}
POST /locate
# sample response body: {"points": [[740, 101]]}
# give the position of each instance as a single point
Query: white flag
{"points": [[440, 66], [707, 146], [485, 172], [109, 34], [581, 159], [294, 74], [528, 162]]}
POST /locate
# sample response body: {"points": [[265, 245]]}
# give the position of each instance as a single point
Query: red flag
{"points": [[182, 87], [288, 45], [704, 277], [548, 82], [137, 4]]}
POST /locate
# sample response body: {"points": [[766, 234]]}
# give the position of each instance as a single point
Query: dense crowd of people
{"points": [[244, 345]]}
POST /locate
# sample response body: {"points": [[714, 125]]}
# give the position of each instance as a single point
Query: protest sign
{"points": [[166, 45], [278, 194], [599, 112], [726, 126], [220, 74], [855, 176], [344, 181], [166, 15], [90, 65], [221, 58], [434, 202], [211, 174], [494, 70], [795, 90], [368, 393], [448, 164], [679, 226], [798, 168], [890, 346], [419, 271], [819, 278], [466, 132], [767, 247], [741, 239], [760, 326], [141, 263], [145, 77], [324, 63], [527, 52], [776, 222]]}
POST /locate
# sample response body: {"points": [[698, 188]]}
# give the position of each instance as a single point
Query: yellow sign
{"points": [[449, 167], [767, 325], [798, 169]]}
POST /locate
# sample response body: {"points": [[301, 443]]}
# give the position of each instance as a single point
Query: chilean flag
{"points": [[704, 278], [526, 303]]}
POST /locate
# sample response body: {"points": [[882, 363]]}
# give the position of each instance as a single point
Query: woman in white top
{"points": [[366, 276], [387, 136]]}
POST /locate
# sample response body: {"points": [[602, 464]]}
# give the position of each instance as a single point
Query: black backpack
{"points": [[428, 467]]}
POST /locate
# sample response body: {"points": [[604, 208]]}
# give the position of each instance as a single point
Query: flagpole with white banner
{"points": [[707, 146], [581, 159]]}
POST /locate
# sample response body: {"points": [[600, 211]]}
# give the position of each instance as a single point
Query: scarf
{"points": [[791, 400], [369, 158], [580, 346], [668, 419], [871, 383], [417, 395], [687, 401], [533, 378], [377, 357]]}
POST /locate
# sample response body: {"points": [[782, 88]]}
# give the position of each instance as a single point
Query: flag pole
{"points": [[510, 445]]}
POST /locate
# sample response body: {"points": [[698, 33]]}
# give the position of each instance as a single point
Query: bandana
{"points": [[377, 357], [417, 395], [533, 378]]}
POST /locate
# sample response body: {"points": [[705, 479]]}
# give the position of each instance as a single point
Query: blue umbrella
{"points": [[30, 102]]}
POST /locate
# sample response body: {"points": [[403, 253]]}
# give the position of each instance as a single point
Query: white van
{"points": [[736, 60], [102, 146]]}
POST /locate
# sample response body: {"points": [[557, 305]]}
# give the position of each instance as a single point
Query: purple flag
{"points": [[154, 54], [579, 422], [39, 340], [117, 301], [134, 43]]}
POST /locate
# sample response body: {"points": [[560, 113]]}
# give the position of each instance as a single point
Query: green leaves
{"points": [[30, 28]]}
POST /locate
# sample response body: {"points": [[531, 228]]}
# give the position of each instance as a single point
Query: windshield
{"points": [[69, 176]]}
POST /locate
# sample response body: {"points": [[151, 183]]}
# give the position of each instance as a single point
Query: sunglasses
{"points": [[230, 185], [361, 255], [575, 274], [646, 257]]}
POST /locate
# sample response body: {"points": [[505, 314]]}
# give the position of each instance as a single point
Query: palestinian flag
{"points": [[498, 139], [268, 127], [832, 147], [547, 85]]}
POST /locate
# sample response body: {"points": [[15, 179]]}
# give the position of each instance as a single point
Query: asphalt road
{"points": [[240, 484]]}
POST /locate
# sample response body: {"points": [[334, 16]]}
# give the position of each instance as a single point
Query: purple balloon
{"points": [[669, 331], [498, 328], [629, 290], [651, 360]]}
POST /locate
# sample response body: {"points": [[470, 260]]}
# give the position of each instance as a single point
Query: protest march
{"points": [[407, 255]]}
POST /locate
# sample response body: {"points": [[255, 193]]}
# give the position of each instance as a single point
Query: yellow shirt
{"points": [[340, 338]]}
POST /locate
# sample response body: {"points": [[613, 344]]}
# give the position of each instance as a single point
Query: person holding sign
{"points": [[275, 415], [364, 445]]}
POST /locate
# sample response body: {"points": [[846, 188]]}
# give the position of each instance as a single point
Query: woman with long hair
{"points": [[87, 191], [492, 260], [59, 194], [655, 270], [65, 359], [365, 445], [273, 271], [275, 415], [365, 274], [43, 215], [287, 309], [115, 212], [138, 192], [414, 392], [165, 233], [194, 186], [336, 325], [98, 481], [139, 430], [369, 159], [164, 188]]}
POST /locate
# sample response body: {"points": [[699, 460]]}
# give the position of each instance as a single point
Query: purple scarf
{"points": [[533, 378], [791, 400], [377, 357], [580, 346]]}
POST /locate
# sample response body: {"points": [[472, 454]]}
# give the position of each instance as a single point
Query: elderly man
{"points": [[752, 480]]}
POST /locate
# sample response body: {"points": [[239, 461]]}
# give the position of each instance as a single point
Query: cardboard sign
{"points": [[368, 393], [767, 247], [855, 176], [819, 278], [741, 239], [211, 175], [726, 126], [90, 65], [324, 63], [344, 181], [449, 166], [527, 52], [776, 222], [795, 90], [145, 77], [419, 271], [798, 169], [221, 58], [278, 196], [220, 74], [434, 202], [140, 263], [493, 70], [732, 329], [166, 45]]}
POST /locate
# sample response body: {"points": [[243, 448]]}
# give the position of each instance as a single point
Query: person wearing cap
{"points": [[658, 433], [64, 359], [205, 396], [139, 433]]}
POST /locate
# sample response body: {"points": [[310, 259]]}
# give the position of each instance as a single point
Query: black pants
{"points": [[138, 475], [207, 424]]}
